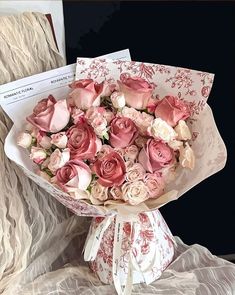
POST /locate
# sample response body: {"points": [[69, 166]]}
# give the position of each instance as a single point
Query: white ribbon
{"points": [[92, 245]]}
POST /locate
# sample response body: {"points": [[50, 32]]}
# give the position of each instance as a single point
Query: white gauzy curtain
{"points": [[40, 240]]}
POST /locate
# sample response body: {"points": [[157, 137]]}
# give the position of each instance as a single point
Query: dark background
{"points": [[197, 35]]}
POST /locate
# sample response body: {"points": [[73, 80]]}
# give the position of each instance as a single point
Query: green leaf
{"points": [[106, 136]]}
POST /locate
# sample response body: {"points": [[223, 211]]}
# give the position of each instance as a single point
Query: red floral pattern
{"points": [[143, 243]]}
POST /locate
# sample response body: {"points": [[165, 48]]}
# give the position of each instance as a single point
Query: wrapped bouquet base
{"points": [[125, 251]]}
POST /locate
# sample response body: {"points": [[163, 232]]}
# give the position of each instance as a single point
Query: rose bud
{"points": [[24, 139]]}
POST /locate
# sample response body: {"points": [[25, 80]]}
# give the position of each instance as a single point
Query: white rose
{"points": [[134, 193], [58, 159], [175, 144], [118, 100], [24, 139], [99, 192], [59, 139], [182, 130], [187, 158], [161, 130], [38, 155]]}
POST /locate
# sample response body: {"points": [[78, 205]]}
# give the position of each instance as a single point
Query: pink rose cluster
{"points": [[109, 142]]}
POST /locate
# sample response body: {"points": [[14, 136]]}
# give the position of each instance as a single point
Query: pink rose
{"points": [[172, 109], [82, 141], [136, 90], [50, 115], [136, 172], [75, 175], [77, 115], [156, 155], [123, 132], [59, 139], [58, 159], [143, 122], [131, 152], [134, 193], [38, 155], [110, 170], [155, 184], [43, 140], [86, 93]]}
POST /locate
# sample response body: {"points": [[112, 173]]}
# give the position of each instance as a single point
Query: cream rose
{"points": [[24, 140], [175, 144], [99, 192], [187, 157], [58, 159], [135, 172], [116, 193], [155, 184], [134, 193], [118, 100], [161, 130], [182, 130], [131, 152], [59, 139], [99, 125], [130, 113]]}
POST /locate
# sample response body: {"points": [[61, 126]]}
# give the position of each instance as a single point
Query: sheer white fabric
{"points": [[41, 241]]}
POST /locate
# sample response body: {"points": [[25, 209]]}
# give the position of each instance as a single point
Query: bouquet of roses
{"points": [[107, 142], [119, 142]]}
